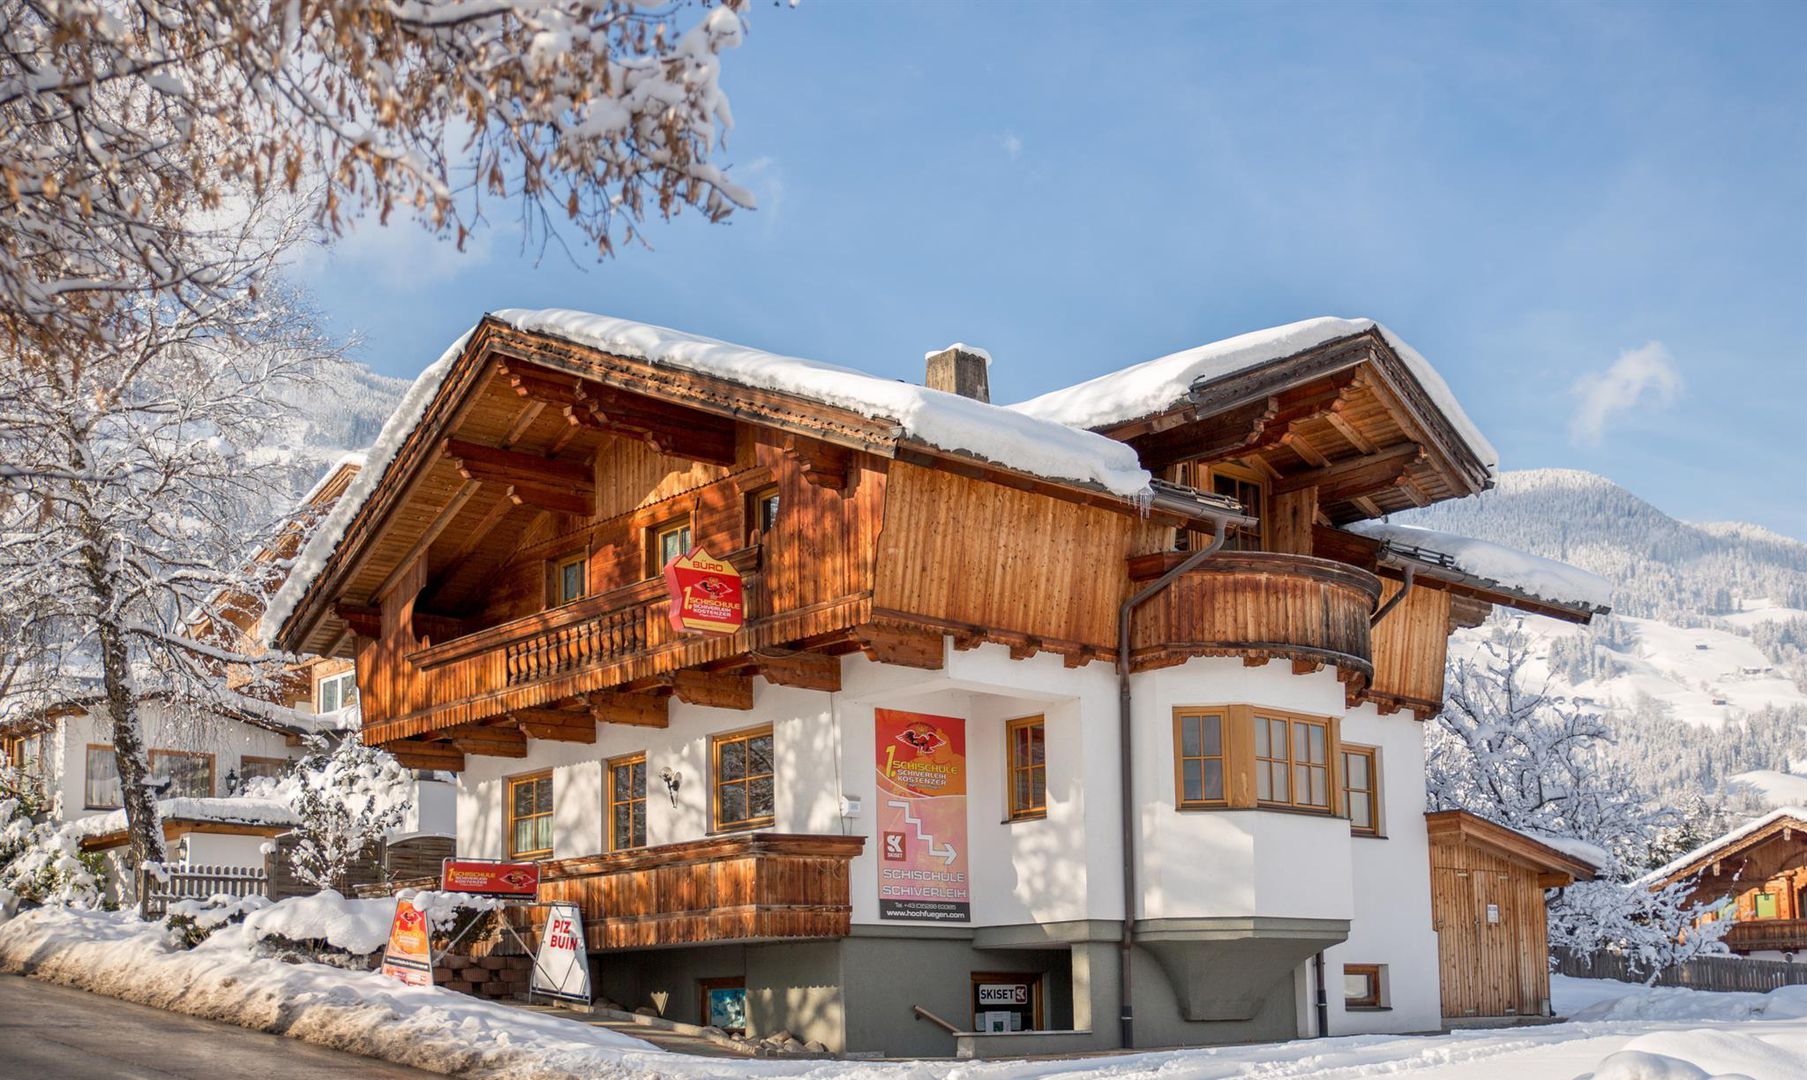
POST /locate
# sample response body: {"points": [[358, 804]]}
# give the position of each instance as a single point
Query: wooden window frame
{"points": [[612, 798], [90, 748], [555, 578], [1373, 1000], [1254, 539], [1332, 757], [509, 818], [716, 783], [1012, 767], [1033, 978], [655, 534], [246, 759], [756, 500], [1372, 754], [320, 692], [1224, 722], [213, 772], [1240, 761]]}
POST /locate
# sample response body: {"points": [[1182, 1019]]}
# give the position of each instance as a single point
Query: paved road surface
{"points": [[50, 1032]]}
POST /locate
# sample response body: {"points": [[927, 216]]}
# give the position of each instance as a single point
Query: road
{"points": [[50, 1032]]}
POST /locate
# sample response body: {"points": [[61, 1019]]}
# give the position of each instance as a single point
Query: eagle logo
{"points": [[921, 736]]}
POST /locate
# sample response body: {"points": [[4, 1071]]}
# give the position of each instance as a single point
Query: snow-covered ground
{"points": [[1618, 1031], [1706, 675]]}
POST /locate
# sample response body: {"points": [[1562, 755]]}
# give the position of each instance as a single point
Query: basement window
{"points": [[1363, 986]]}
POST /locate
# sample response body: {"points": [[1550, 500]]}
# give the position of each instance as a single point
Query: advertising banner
{"points": [[562, 968], [490, 878], [706, 595], [409, 955], [922, 817]]}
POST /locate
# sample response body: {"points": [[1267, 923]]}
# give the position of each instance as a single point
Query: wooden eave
{"points": [[1343, 414], [1369, 553], [1735, 852], [174, 828], [1509, 844]]}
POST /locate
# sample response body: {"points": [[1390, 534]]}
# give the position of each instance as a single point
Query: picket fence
{"points": [[186, 881], [1703, 973]]}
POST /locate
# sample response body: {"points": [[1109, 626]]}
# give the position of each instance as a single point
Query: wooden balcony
{"points": [[745, 887], [1766, 935], [1259, 606]]}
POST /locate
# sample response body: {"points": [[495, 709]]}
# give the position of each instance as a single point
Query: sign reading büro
{"points": [[706, 594]]}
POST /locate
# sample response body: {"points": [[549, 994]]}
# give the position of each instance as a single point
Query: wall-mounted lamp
{"points": [[673, 780]]}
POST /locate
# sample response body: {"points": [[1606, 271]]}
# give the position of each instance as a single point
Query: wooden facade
{"points": [[746, 887], [1487, 906], [1758, 879]]}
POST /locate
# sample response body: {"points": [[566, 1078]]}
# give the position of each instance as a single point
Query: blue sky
{"points": [[1528, 193]]}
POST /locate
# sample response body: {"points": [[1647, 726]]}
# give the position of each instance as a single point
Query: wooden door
{"points": [[1452, 899], [1498, 930]]}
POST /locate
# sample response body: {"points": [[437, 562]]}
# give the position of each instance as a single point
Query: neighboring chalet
{"points": [[1756, 875], [1487, 901], [890, 810], [203, 753]]}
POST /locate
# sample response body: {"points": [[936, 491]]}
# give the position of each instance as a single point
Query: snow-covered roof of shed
{"points": [[1590, 853], [947, 421], [1532, 575], [1157, 385], [231, 810], [1720, 843]]}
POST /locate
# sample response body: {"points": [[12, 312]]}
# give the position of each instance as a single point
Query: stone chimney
{"points": [[959, 369]]}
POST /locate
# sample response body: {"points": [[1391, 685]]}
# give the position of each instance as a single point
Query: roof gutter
{"points": [[1221, 521]]}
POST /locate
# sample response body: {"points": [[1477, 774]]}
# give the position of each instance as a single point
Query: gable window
{"points": [[627, 802], [665, 543], [745, 777], [100, 779], [335, 692], [762, 510], [1027, 742], [1362, 986], [1248, 488], [1199, 759], [1361, 789], [530, 816], [190, 774], [570, 579]]}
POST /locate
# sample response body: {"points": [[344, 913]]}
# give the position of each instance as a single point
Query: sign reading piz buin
{"points": [[922, 817], [706, 594]]}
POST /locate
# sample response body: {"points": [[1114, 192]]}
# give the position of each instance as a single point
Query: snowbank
{"points": [[358, 926], [1726, 840], [1155, 385], [1532, 575], [236, 810]]}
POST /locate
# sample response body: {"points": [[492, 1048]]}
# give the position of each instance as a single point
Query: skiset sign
{"points": [[922, 868], [706, 594]]}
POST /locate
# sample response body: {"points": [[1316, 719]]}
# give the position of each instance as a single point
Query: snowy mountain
{"points": [[1703, 665], [342, 411]]}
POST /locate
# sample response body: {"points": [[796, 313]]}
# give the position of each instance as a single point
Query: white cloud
{"points": [[1645, 376], [1012, 145]]}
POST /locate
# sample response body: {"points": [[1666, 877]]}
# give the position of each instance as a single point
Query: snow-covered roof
{"points": [[948, 421], [1157, 385], [1592, 854], [1532, 575], [1720, 843], [235, 810]]}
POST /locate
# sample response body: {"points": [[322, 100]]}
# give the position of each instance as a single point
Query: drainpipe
{"points": [[1393, 601], [1127, 771], [1317, 964]]}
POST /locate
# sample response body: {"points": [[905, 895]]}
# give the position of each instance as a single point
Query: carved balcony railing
{"points": [[1260, 606], [746, 887]]}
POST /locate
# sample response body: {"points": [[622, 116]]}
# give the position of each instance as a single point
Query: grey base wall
{"points": [[857, 993]]}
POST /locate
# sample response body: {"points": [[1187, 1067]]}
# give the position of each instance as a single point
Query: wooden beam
{"points": [[888, 644], [555, 725], [672, 430], [518, 430], [563, 502], [491, 741], [806, 670], [1209, 437], [414, 754], [1300, 445], [363, 620], [492, 463], [1348, 430], [420, 546], [639, 710], [1293, 521], [474, 538], [1355, 476], [823, 465], [714, 690]]}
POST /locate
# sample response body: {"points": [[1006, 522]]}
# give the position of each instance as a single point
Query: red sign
{"points": [[922, 817], [493, 878], [706, 596]]}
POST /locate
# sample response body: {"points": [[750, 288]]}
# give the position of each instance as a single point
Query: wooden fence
{"points": [[1704, 973], [156, 891]]}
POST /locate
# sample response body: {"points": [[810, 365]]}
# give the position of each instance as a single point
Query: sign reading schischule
{"points": [[706, 594]]}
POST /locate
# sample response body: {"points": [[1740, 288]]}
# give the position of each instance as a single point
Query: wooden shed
{"points": [[1487, 905]]}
